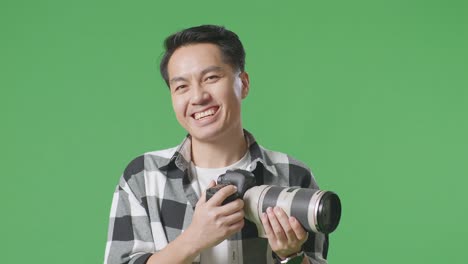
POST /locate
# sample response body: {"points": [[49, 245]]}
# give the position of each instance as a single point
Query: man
{"points": [[159, 212]]}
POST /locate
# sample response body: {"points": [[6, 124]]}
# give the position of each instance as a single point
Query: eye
{"points": [[180, 87], [212, 78]]}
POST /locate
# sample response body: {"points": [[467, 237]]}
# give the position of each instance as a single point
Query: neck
{"points": [[220, 153]]}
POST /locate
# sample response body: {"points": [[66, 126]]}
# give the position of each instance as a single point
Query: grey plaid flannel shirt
{"points": [[154, 202]]}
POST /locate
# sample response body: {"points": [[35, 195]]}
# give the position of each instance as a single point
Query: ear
{"points": [[244, 76]]}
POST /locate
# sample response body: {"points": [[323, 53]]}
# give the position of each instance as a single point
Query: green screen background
{"points": [[372, 95]]}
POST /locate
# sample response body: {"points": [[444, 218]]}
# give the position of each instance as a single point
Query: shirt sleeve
{"points": [[316, 246], [129, 234]]}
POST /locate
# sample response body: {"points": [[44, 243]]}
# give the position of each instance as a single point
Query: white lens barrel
{"points": [[253, 198], [301, 203]]}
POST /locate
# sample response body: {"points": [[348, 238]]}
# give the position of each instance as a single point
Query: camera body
{"points": [[317, 210], [242, 179]]}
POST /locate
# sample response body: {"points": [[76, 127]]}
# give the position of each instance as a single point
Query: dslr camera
{"points": [[317, 210]]}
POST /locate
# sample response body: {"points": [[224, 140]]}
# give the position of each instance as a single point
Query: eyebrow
{"points": [[203, 72]]}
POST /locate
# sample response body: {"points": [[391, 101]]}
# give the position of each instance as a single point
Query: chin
{"points": [[210, 135]]}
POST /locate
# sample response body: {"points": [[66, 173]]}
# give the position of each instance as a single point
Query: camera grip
{"points": [[210, 192]]}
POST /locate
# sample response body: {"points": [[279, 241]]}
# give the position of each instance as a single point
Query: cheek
{"points": [[230, 93], [179, 106], [234, 97], [238, 88]]}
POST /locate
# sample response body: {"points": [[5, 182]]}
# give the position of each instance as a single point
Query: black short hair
{"points": [[227, 41]]}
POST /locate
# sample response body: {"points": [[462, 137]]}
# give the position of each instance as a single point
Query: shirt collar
{"points": [[183, 155]]}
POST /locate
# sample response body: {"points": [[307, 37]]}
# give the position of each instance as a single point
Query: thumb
{"points": [[203, 197], [212, 184]]}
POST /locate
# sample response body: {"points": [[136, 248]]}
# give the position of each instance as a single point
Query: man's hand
{"points": [[285, 234], [213, 222]]}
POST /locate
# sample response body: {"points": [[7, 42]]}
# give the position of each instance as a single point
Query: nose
{"points": [[200, 96]]}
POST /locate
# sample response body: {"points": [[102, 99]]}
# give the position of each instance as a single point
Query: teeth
{"points": [[208, 112]]}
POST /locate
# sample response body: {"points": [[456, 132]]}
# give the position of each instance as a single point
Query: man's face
{"points": [[206, 92]]}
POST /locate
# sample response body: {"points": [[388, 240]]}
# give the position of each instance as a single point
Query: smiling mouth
{"points": [[205, 114]]}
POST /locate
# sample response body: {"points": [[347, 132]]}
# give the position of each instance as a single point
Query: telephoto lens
{"points": [[317, 210]]}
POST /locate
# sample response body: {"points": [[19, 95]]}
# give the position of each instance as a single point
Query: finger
{"points": [[203, 196], [300, 232], [275, 225], [236, 227], [283, 220], [267, 226], [232, 207], [202, 199], [234, 218], [211, 184], [222, 194]]}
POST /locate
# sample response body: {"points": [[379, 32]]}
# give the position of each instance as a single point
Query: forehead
{"points": [[194, 58]]}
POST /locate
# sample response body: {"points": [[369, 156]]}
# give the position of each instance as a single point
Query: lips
{"points": [[205, 113]]}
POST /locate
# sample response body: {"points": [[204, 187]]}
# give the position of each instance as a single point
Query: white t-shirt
{"points": [[224, 252]]}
